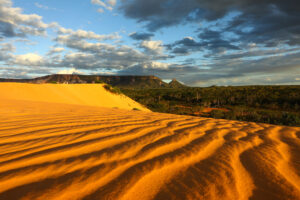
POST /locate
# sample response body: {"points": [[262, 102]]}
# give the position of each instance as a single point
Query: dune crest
{"points": [[79, 94], [64, 151]]}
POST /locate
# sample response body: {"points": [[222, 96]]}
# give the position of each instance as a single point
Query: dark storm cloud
{"points": [[268, 21], [188, 42], [181, 51], [141, 36], [269, 70], [256, 53], [223, 72], [209, 40], [5, 51], [165, 72], [270, 24], [213, 40], [157, 13], [185, 46], [7, 30], [268, 65]]}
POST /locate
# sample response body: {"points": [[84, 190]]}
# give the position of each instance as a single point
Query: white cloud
{"points": [[98, 2], [70, 71], [108, 5], [152, 46], [56, 50], [23, 72], [100, 55], [189, 37], [8, 47], [85, 54], [63, 30], [96, 55], [29, 59], [41, 6], [5, 51], [66, 34], [156, 65], [112, 2], [26, 41], [16, 24], [100, 10]]}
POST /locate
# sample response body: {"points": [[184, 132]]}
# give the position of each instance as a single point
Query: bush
{"points": [[266, 104], [111, 89], [158, 107], [217, 114]]}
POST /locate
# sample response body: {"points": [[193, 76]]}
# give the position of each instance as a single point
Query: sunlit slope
{"points": [[80, 94], [62, 151]]}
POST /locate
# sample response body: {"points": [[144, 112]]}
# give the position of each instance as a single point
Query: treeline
{"points": [[268, 104]]}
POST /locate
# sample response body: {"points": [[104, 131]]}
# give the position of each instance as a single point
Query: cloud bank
{"points": [[232, 42]]}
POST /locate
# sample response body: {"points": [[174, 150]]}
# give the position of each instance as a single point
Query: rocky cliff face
{"points": [[119, 81]]}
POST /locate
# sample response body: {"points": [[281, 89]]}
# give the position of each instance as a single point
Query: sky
{"points": [[198, 42]]}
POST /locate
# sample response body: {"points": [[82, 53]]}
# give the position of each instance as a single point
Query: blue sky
{"points": [[200, 43]]}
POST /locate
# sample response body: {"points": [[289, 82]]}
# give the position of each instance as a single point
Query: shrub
{"points": [[111, 89], [217, 114], [98, 81]]}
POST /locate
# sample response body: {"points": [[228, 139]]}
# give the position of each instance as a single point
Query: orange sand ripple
{"points": [[64, 151]]}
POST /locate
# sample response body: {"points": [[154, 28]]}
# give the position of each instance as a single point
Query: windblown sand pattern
{"points": [[61, 151]]}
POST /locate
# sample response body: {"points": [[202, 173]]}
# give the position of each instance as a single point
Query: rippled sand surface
{"points": [[61, 151]]}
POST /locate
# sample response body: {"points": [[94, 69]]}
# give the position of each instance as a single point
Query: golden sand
{"points": [[62, 151], [80, 94]]}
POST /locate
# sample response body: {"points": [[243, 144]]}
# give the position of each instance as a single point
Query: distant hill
{"points": [[136, 82], [176, 84]]}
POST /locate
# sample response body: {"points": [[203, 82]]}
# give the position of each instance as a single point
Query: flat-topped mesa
{"points": [[58, 78], [126, 81]]}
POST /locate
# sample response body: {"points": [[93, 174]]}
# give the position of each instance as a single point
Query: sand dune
{"points": [[61, 151], [80, 94]]}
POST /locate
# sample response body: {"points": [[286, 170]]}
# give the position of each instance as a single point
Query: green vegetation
{"points": [[267, 104], [112, 89], [98, 81]]}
